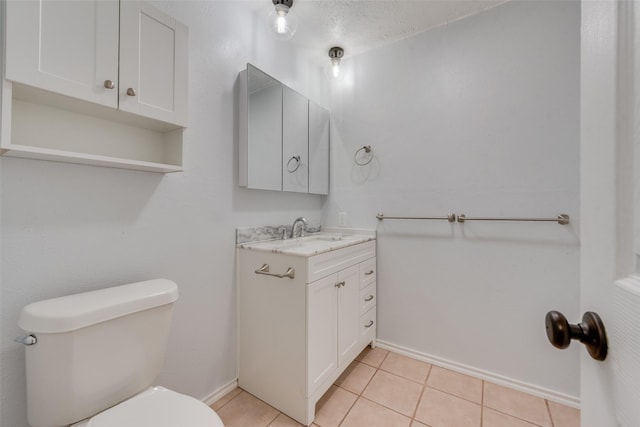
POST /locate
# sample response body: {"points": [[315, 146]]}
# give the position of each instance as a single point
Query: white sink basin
{"points": [[309, 245]]}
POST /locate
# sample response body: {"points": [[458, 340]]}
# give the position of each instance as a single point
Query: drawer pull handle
{"points": [[369, 298], [368, 273], [370, 324], [108, 84], [340, 284], [290, 273]]}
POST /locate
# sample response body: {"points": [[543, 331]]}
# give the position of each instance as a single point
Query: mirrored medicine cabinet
{"points": [[283, 136]]}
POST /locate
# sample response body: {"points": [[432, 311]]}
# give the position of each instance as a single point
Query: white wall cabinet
{"points": [[119, 66], [297, 336]]}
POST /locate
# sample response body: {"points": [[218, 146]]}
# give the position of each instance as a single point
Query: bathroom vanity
{"points": [[307, 308]]}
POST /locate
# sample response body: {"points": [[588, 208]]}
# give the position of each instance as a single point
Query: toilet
{"points": [[92, 358]]}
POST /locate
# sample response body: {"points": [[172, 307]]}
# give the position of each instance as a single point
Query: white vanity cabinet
{"points": [[296, 336], [114, 69]]}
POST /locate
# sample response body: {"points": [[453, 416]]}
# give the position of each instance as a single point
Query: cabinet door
{"points": [[64, 46], [321, 331], [295, 141], [153, 63], [348, 315], [318, 149]]}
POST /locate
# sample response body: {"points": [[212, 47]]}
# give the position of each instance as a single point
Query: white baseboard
{"points": [[544, 393], [217, 394]]}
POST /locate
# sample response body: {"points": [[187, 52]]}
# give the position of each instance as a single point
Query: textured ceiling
{"points": [[361, 25]]}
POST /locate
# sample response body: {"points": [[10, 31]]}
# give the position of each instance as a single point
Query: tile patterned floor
{"points": [[385, 389]]}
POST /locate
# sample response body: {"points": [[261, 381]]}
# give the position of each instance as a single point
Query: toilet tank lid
{"points": [[77, 311]]}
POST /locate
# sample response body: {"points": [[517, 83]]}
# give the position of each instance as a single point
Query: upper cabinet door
{"points": [[295, 141], [67, 47], [318, 149], [153, 63]]}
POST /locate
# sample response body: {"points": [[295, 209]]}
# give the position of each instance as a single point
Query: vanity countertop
{"points": [[310, 245]]}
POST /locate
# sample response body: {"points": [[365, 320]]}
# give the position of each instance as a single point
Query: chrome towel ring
{"points": [[367, 150], [297, 165]]}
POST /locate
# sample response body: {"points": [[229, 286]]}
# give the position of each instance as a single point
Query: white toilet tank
{"points": [[94, 349]]}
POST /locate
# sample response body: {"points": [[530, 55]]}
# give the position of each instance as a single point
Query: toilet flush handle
{"points": [[26, 339]]}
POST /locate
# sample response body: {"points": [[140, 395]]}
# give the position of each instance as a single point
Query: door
{"points": [[322, 331], [295, 141], [348, 314], [153, 63], [607, 200], [318, 149], [66, 47]]}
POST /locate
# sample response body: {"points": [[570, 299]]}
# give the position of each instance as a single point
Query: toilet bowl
{"points": [[156, 407], [91, 359]]}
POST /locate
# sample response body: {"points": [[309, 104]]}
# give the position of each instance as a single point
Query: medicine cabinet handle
{"points": [[369, 298], [290, 273], [370, 324], [108, 84]]}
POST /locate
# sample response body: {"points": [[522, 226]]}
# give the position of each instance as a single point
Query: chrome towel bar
{"points": [[290, 273], [562, 219], [451, 217]]}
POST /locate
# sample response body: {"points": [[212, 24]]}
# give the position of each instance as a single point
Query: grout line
{"points": [[415, 411], [482, 404], [546, 404], [242, 391]]}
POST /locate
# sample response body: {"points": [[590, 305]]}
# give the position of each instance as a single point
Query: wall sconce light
{"points": [[281, 21], [335, 53]]}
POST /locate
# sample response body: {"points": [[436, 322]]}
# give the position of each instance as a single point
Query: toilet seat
{"points": [[158, 407]]}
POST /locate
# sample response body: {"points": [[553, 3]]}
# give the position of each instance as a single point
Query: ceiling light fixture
{"points": [[281, 21], [335, 53]]}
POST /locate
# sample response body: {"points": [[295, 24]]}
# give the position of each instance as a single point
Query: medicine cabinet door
{"points": [[295, 142]]}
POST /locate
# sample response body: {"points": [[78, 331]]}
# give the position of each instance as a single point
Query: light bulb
{"points": [[335, 67], [281, 24]]}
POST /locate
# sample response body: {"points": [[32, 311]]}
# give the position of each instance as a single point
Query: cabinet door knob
{"points": [[368, 273], [340, 284], [108, 84], [369, 298], [370, 324], [131, 92]]}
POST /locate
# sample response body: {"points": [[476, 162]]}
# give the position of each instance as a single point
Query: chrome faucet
{"points": [[295, 223]]}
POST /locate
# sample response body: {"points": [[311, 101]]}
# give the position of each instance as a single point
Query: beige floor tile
{"points": [[333, 406], [438, 409], [491, 418], [370, 414], [418, 424], [245, 410], [406, 367], [225, 399], [564, 416], [520, 405], [283, 421], [454, 383], [356, 377], [372, 356], [394, 392]]}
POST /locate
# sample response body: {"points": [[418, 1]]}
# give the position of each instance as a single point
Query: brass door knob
{"points": [[590, 332]]}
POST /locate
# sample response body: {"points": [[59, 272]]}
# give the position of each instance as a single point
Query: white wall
{"points": [[480, 117], [69, 228]]}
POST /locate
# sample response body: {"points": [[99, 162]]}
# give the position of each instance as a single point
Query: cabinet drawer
{"points": [[368, 326], [367, 272], [367, 298]]}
